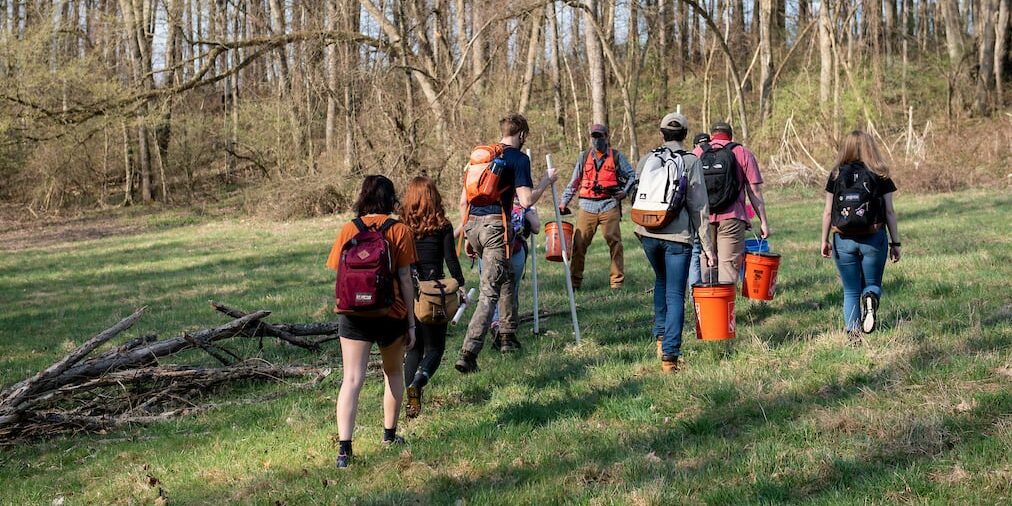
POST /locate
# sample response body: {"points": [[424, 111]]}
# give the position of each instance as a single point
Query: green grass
{"points": [[787, 412]]}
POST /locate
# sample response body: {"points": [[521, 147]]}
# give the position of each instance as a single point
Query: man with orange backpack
{"points": [[493, 176]]}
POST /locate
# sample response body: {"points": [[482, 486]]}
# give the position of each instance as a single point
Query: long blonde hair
{"points": [[860, 147]]}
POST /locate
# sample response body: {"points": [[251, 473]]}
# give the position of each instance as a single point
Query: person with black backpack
{"points": [[670, 206], [372, 255], [731, 173], [859, 201]]}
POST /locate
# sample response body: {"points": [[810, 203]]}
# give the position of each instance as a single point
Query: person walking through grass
{"points": [[485, 227], [423, 212], [389, 322], [669, 249], [859, 201], [601, 179], [731, 174]]}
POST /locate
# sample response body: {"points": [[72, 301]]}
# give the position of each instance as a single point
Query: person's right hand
{"points": [[564, 210], [827, 249], [551, 174]]}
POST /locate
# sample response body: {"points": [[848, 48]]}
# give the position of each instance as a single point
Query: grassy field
{"points": [[788, 412]]}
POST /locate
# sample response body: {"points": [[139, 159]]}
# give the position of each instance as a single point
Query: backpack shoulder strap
{"points": [[387, 224], [360, 225]]}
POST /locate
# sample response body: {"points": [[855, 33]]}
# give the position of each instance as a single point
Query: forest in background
{"points": [[278, 106]]}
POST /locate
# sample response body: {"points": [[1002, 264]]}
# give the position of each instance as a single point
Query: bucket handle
{"points": [[760, 241]]}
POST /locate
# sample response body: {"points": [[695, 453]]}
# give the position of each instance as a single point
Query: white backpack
{"points": [[663, 184]]}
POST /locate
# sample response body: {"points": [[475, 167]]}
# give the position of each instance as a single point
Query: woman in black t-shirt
{"points": [[860, 183], [423, 212]]}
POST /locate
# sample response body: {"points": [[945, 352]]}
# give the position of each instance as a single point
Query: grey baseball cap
{"points": [[674, 120]]}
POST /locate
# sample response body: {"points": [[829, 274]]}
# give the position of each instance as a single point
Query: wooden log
{"points": [[19, 392], [309, 329], [266, 328]]}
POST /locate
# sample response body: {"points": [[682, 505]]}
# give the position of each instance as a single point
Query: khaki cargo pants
{"points": [[486, 234], [586, 227], [728, 240]]}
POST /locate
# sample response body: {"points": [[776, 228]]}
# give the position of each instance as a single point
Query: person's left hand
{"points": [[619, 195], [411, 338], [764, 230], [551, 174], [894, 253], [710, 262]]}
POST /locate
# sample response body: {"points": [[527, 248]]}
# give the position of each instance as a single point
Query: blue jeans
{"points": [[670, 261], [861, 262], [519, 261], [695, 272]]}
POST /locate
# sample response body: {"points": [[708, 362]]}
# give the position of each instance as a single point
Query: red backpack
{"points": [[365, 274]]}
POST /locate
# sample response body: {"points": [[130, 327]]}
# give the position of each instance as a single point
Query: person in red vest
{"points": [[601, 179]]}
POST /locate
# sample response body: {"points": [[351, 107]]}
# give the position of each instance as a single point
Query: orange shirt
{"points": [[402, 253]]}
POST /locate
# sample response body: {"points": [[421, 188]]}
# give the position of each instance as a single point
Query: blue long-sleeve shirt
{"points": [[622, 167]]}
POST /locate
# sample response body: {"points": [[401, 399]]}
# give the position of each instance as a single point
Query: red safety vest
{"points": [[607, 177]]}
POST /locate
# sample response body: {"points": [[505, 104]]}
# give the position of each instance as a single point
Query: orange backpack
{"points": [[481, 176], [481, 182]]}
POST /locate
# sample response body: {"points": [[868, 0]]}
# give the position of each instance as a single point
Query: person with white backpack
{"points": [[669, 207]]}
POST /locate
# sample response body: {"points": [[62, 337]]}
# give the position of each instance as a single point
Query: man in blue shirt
{"points": [[486, 230], [602, 178]]}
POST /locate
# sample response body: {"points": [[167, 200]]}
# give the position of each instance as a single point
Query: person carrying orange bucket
{"points": [[670, 206]]}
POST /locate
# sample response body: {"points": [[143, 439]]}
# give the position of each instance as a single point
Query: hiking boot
{"points": [[414, 404], [466, 363], [869, 306], [343, 459], [496, 338], [508, 343], [660, 353], [669, 363]]}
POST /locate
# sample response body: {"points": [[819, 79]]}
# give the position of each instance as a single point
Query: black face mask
{"points": [[601, 144]]}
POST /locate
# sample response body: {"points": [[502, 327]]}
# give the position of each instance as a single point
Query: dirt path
{"points": [[39, 233]]}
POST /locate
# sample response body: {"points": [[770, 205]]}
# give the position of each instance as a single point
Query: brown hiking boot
{"points": [[414, 404], [660, 354], [508, 343], [669, 364], [466, 363]]}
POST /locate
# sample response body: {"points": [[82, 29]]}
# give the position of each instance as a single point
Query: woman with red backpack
{"points": [[424, 214], [859, 201], [372, 256]]}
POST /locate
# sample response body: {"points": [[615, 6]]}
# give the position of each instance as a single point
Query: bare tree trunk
{"points": [[1001, 50], [285, 84], [331, 66], [131, 12], [595, 63], [683, 38], [553, 67], [533, 48], [765, 57], [825, 52], [986, 20]]}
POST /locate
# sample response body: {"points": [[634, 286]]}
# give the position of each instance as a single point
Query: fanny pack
{"points": [[436, 301]]}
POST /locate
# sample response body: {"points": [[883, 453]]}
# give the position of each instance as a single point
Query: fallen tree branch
{"points": [[266, 328]]}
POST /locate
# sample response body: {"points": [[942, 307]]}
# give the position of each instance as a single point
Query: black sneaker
{"points": [[343, 459], [466, 363], [414, 404], [869, 306], [396, 441]]}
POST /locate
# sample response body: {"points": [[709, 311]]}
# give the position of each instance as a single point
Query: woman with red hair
{"points": [[423, 212]]}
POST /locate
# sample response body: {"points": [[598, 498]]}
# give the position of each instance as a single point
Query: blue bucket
{"points": [[756, 245]]}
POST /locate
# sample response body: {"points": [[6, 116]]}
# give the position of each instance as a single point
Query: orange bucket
{"points": [[714, 311], [760, 279], [553, 247]]}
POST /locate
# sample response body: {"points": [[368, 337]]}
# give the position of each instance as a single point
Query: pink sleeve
{"points": [[748, 164]]}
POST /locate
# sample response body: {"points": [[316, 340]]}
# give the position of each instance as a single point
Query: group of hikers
{"points": [[692, 206]]}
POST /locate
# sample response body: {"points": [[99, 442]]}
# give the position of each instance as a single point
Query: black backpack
{"points": [[856, 202], [720, 171]]}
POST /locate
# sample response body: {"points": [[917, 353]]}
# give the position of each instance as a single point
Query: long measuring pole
{"points": [[565, 254], [533, 254]]}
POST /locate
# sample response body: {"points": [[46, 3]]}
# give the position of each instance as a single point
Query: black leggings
{"points": [[430, 343]]}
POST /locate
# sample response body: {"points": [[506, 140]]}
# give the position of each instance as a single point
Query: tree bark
{"points": [[533, 48], [825, 52], [765, 57], [595, 64], [1001, 50], [553, 68]]}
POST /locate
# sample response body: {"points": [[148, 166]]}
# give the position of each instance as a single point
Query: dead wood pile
{"points": [[128, 384]]}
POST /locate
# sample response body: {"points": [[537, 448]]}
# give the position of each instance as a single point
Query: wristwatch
{"points": [[895, 245]]}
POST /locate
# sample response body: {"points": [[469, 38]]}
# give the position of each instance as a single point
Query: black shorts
{"points": [[382, 330]]}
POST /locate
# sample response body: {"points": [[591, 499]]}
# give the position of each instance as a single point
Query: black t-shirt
{"points": [[885, 186], [430, 253], [516, 173]]}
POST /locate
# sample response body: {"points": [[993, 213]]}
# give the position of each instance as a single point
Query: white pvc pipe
{"points": [[533, 254], [565, 254]]}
